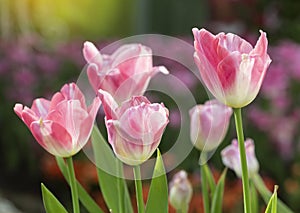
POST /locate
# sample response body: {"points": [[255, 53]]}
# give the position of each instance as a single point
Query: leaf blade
{"points": [[108, 182], [217, 197], [158, 192], [51, 203]]}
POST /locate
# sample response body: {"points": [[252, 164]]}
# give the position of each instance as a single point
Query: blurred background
{"points": [[40, 50]]}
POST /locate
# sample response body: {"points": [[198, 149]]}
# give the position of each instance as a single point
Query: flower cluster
{"points": [[232, 70]]}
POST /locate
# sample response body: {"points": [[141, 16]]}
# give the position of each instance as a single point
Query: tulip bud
{"points": [[209, 124], [180, 192], [63, 125], [231, 158], [230, 67], [135, 127]]}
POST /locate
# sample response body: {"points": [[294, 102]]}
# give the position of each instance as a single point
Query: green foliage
{"points": [[217, 197], [158, 194], [272, 205], [51, 204], [110, 183], [84, 197]]}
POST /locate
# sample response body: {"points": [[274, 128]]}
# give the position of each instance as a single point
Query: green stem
{"points": [[138, 189], [184, 209], [245, 179], [254, 199], [119, 179], [205, 195], [266, 194], [73, 185]]}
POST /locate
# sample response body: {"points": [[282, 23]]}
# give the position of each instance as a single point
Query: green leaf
{"points": [[109, 183], [158, 192], [209, 178], [51, 204], [272, 205], [217, 197], [84, 197], [266, 194]]}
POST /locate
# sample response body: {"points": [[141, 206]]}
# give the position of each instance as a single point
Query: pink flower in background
{"points": [[231, 157], [63, 125], [123, 74], [134, 128], [230, 67], [209, 124], [180, 191]]}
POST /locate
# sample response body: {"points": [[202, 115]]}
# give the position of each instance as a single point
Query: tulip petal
{"points": [[70, 115], [94, 107], [41, 107], [18, 108], [92, 54], [109, 104], [53, 137], [92, 72], [72, 92], [29, 116]]}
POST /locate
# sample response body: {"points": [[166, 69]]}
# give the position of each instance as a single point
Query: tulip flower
{"points": [[230, 67], [62, 125], [231, 158], [123, 74], [134, 128], [209, 124], [180, 191]]}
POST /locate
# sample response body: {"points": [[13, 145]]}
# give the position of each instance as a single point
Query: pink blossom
{"points": [[63, 125], [123, 74], [134, 128], [231, 157], [209, 124], [230, 67]]}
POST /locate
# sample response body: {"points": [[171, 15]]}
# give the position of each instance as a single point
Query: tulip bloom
{"points": [[230, 67], [63, 125], [209, 124], [134, 128], [231, 158], [123, 74], [180, 191]]}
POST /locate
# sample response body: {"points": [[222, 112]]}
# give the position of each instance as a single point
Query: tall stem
{"points": [[119, 178], [245, 179], [205, 195], [138, 189], [73, 185], [204, 181]]}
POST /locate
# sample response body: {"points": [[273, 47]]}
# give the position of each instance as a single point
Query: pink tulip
{"points": [[231, 158], [123, 74], [209, 124], [230, 67], [63, 125], [134, 128]]}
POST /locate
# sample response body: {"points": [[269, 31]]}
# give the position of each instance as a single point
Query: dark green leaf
{"points": [[51, 204]]}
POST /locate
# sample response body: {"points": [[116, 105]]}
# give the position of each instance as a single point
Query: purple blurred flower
{"points": [[231, 157]]}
